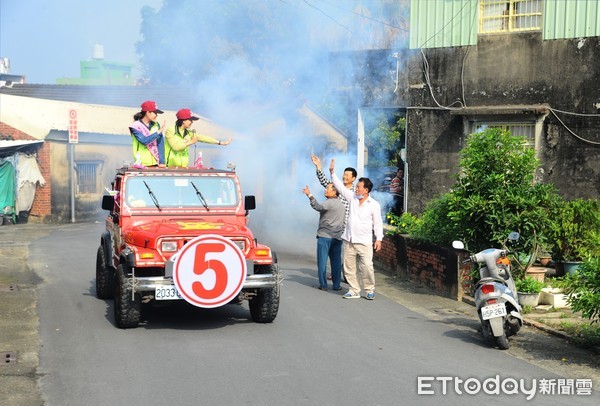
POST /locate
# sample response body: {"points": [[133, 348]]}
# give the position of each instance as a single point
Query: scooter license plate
{"points": [[495, 310]]}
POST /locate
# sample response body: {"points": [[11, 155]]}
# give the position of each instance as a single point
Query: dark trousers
{"points": [[332, 249]]}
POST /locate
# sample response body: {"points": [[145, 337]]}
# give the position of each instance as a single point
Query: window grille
{"points": [[87, 177], [496, 16], [526, 130]]}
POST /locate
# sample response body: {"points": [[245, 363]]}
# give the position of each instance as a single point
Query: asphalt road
{"points": [[321, 349]]}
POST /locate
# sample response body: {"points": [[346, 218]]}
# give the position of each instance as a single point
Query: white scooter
{"points": [[496, 297]]}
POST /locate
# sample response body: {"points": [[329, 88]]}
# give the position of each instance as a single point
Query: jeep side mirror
{"points": [[108, 202], [249, 202]]}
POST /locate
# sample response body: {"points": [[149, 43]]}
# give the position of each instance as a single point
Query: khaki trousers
{"points": [[358, 267]]}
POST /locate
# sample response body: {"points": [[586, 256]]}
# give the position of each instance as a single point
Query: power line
{"points": [[367, 17], [328, 16]]}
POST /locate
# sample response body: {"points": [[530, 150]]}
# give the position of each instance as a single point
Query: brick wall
{"points": [[426, 264], [41, 208]]}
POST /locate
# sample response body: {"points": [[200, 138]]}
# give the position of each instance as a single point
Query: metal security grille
{"points": [[526, 130], [86, 177], [497, 16]]}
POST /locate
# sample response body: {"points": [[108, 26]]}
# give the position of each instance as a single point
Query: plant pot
{"points": [[537, 272], [560, 268], [571, 266], [528, 299], [544, 261]]}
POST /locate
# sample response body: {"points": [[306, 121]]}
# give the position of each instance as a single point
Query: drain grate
{"points": [[8, 288], [8, 357]]}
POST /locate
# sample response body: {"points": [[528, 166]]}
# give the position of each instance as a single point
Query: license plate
{"points": [[495, 310], [167, 293]]}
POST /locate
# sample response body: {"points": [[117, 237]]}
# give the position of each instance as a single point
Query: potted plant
{"points": [[544, 255], [528, 291], [575, 232]]}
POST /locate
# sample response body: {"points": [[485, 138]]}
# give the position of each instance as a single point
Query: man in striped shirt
{"points": [[348, 178]]}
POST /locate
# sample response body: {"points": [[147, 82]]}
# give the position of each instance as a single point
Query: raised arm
{"points": [[320, 175], [339, 185]]}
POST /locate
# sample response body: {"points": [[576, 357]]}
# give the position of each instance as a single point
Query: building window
{"points": [[526, 130], [87, 176], [497, 16]]}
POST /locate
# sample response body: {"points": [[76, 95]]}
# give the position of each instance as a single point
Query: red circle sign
{"points": [[72, 114], [209, 271]]}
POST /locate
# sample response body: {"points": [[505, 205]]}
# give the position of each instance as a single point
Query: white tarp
{"points": [[28, 176]]}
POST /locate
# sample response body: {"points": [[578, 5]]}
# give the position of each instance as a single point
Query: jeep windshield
{"points": [[180, 192]]}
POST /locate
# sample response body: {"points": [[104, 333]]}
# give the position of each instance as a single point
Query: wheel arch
{"points": [[105, 242]]}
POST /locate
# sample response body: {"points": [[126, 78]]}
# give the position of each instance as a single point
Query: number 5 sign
{"points": [[209, 271]]}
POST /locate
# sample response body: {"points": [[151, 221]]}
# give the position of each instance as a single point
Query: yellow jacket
{"points": [[176, 151]]}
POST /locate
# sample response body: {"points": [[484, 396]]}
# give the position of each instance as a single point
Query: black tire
{"points": [[512, 326], [502, 342], [265, 305], [127, 311], [105, 276]]}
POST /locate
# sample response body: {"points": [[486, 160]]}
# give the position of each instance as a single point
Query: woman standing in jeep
{"points": [[147, 136], [180, 137]]}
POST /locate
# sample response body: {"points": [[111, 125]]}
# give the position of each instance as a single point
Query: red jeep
{"points": [[181, 233]]}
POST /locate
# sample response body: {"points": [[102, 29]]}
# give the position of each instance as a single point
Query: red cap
{"points": [[186, 114], [150, 105]]}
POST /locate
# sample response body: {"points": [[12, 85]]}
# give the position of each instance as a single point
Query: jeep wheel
{"points": [[264, 306], [127, 311], [105, 276]]}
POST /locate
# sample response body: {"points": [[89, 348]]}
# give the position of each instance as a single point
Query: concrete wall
{"points": [[503, 70], [87, 205]]}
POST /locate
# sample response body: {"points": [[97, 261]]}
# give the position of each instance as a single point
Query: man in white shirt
{"points": [[364, 219]]}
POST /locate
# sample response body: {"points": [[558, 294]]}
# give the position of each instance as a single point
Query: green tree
{"points": [[386, 139], [494, 194]]}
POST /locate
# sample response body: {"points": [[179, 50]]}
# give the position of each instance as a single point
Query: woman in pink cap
{"points": [[180, 137], [147, 136]]}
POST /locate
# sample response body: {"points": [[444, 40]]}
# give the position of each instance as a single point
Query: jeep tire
{"points": [[127, 311], [105, 276], [265, 305]]}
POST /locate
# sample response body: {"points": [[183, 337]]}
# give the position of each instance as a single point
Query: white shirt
{"points": [[363, 219]]}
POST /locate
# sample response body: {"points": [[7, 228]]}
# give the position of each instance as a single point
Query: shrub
{"points": [[575, 230], [435, 224], [583, 289], [404, 224]]}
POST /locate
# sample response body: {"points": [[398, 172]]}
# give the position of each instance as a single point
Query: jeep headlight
{"points": [[168, 246]]}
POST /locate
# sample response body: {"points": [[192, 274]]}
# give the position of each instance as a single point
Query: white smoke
{"points": [[258, 88]]}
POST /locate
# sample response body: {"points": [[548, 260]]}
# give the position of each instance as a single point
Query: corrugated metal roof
{"points": [[9, 147], [443, 23], [571, 19]]}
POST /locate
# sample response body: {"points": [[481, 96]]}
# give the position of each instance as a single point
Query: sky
{"points": [[45, 40]]}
